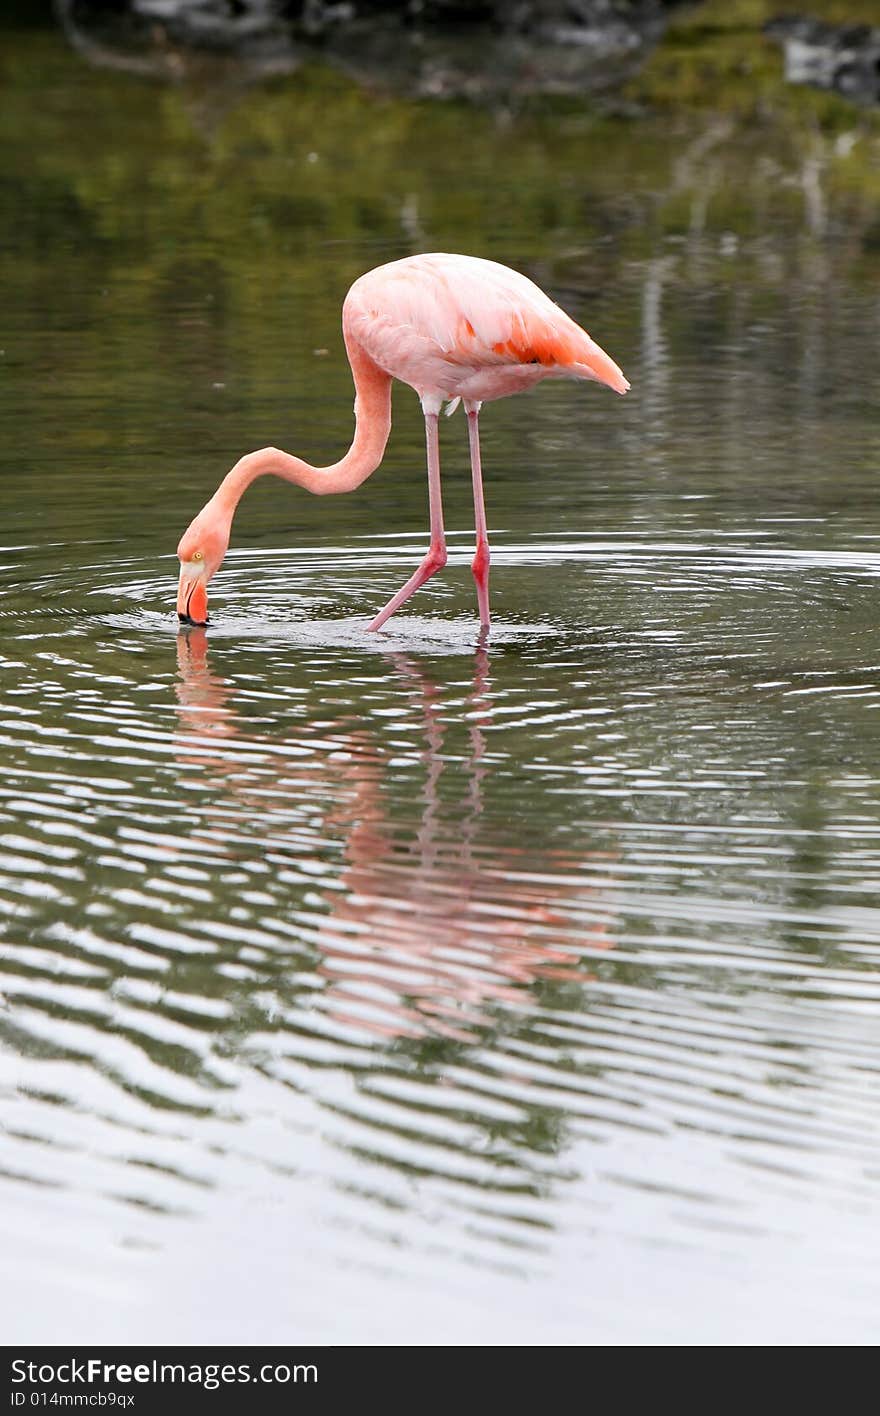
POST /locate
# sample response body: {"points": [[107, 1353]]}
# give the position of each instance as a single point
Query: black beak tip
{"points": [[193, 623]]}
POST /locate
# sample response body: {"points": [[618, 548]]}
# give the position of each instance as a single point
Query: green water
{"points": [[409, 988]]}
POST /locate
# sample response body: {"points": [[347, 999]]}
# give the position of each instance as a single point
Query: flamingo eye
{"points": [[197, 556]]}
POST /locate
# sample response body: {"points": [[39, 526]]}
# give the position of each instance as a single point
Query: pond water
{"points": [[414, 987]]}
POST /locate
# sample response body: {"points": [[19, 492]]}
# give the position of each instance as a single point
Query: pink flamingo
{"points": [[454, 328]]}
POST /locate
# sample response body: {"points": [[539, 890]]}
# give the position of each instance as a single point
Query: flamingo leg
{"points": [[480, 563], [436, 557]]}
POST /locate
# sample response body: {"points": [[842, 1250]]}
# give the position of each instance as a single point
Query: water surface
{"points": [[415, 987]]}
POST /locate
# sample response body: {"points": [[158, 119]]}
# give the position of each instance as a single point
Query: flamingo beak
{"points": [[192, 598]]}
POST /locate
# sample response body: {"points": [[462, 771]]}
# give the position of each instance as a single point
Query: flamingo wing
{"points": [[468, 314]]}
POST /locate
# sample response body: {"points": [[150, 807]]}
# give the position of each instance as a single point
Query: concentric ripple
{"points": [[501, 960]]}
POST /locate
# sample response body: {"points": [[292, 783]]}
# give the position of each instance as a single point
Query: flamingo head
{"points": [[200, 552]]}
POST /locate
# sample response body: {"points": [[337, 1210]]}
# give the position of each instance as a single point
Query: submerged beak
{"points": [[192, 598]]}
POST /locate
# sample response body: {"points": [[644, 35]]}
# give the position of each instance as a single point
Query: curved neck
{"points": [[372, 411]]}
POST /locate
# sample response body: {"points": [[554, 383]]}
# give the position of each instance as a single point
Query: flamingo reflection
{"points": [[426, 927]]}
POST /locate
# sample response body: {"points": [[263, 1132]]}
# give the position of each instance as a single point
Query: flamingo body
{"points": [[461, 327], [453, 328]]}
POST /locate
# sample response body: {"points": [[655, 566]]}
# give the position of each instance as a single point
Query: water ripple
{"points": [[454, 947]]}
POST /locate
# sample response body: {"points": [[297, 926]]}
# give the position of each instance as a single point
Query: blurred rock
{"points": [[478, 48], [845, 58]]}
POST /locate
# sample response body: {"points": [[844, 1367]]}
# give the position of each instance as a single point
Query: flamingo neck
{"points": [[372, 411]]}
